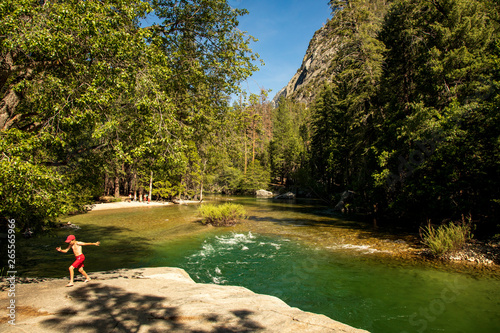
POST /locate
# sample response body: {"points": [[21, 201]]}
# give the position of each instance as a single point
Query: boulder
{"points": [[264, 194], [179, 202], [345, 198], [287, 195]]}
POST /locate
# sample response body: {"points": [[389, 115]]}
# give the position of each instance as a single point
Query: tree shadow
{"points": [[103, 308], [360, 230], [119, 248]]}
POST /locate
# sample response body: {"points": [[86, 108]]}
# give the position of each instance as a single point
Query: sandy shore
{"points": [[127, 204], [134, 204]]}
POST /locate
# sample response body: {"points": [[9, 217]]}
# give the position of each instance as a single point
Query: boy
{"points": [[77, 250]]}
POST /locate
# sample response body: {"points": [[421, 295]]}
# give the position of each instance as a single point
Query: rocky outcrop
{"points": [[316, 68], [285, 196], [264, 194], [153, 300], [344, 199]]}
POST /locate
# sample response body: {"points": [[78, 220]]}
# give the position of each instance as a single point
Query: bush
{"points": [[447, 237], [225, 215]]}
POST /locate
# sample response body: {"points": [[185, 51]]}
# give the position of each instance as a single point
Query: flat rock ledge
{"points": [[153, 300]]}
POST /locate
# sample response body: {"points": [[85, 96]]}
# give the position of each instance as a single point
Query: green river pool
{"points": [[297, 251]]}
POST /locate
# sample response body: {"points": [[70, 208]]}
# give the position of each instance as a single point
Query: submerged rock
{"points": [[287, 195], [154, 299]]}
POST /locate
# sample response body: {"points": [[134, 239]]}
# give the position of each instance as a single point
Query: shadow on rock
{"points": [[102, 308]]}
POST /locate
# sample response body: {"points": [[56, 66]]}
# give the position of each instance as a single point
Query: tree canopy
{"points": [[90, 95], [410, 122]]}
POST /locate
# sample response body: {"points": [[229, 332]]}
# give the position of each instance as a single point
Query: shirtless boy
{"points": [[77, 250]]}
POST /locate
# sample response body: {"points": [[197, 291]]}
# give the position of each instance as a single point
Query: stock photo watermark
{"points": [[11, 273], [415, 159], [436, 307], [419, 321], [423, 150]]}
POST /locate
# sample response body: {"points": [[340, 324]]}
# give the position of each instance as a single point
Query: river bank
{"points": [[126, 204], [135, 204], [475, 254], [152, 299]]}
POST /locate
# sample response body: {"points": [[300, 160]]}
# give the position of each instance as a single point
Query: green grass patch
{"points": [[446, 238], [224, 215]]}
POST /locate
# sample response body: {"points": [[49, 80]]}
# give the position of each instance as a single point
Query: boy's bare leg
{"points": [[82, 271], [71, 275]]}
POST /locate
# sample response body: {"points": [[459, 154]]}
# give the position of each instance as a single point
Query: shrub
{"points": [[225, 215], [447, 237]]}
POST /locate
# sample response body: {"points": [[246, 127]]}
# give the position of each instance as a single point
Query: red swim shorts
{"points": [[78, 261]]}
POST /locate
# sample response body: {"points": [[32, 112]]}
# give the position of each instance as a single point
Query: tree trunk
{"points": [[106, 188], [135, 185], [201, 185], [246, 158], [180, 189], [126, 185], [253, 140], [150, 185], [8, 106], [117, 186]]}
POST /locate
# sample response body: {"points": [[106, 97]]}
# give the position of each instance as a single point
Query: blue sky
{"points": [[284, 29]]}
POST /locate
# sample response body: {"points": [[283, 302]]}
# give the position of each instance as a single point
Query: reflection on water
{"points": [[297, 252]]}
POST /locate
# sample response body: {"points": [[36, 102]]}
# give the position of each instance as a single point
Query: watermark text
{"points": [[11, 273]]}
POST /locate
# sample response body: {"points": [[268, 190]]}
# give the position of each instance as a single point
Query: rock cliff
{"points": [[153, 300], [316, 67]]}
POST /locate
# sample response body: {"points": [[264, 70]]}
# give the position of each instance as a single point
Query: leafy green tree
{"points": [[342, 115], [440, 119], [288, 148], [409, 121], [238, 147], [208, 58], [330, 132], [88, 93], [64, 67]]}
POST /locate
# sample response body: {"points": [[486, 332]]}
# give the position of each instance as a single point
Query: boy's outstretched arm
{"points": [[65, 250], [96, 243]]}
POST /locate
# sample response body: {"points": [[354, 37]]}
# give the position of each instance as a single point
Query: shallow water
{"points": [[298, 252]]}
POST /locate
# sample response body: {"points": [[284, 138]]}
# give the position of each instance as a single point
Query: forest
{"points": [[94, 103]]}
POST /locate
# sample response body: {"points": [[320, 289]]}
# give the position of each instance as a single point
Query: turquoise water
{"points": [[379, 297], [288, 250]]}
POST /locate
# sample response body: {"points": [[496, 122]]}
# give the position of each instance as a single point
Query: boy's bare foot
{"points": [[69, 285], [87, 280]]}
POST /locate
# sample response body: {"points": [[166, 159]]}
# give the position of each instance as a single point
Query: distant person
{"points": [[77, 250]]}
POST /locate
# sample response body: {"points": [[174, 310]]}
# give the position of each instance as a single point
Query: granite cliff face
{"points": [[316, 67], [336, 47]]}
